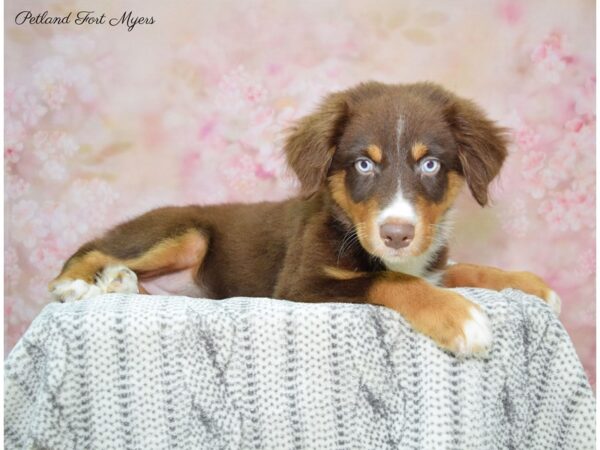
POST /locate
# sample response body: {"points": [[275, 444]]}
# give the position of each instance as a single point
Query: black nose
{"points": [[397, 235]]}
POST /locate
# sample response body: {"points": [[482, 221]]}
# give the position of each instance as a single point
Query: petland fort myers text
{"points": [[127, 19]]}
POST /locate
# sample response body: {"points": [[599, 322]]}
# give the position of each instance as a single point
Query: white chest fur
{"points": [[417, 266]]}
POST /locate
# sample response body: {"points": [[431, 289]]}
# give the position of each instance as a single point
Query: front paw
{"points": [[470, 275], [458, 325], [453, 322], [554, 302], [530, 283], [476, 336]]}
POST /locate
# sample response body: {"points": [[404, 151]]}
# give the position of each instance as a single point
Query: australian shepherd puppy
{"points": [[380, 166]]}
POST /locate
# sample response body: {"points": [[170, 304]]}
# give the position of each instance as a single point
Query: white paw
{"points": [[115, 278], [118, 278], [477, 335], [554, 302], [73, 290]]}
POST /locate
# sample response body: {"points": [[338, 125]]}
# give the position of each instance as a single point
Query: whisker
{"points": [[362, 232], [350, 238]]}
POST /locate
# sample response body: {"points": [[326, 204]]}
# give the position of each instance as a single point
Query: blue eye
{"points": [[364, 165], [430, 166]]}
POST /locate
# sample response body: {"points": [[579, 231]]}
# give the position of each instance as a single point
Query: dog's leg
{"points": [[470, 275], [111, 278], [451, 320], [160, 242]]}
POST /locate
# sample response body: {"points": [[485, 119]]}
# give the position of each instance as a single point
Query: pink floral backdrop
{"points": [[102, 124]]}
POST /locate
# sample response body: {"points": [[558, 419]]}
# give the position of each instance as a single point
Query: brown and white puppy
{"points": [[380, 167]]}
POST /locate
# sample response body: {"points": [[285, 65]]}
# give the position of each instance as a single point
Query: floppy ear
{"points": [[481, 146], [311, 143]]}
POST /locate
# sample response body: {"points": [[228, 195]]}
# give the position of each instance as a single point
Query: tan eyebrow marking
{"points": [[418, 150], [375, 153]]}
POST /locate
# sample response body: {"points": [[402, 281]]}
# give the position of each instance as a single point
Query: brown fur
{"points": [[319, 133], [481, 157], [320, 246], [481, 143]]}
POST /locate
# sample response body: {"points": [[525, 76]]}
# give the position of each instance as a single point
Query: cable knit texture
{"points": [[138, 372]]}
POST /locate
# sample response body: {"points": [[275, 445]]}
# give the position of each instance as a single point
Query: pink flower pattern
{"points": [[101, 126]]}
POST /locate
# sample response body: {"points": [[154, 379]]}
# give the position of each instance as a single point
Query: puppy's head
{"points": [[393, 158]]}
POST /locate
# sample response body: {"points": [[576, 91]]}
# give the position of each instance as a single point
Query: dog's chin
{"points": [[397, 256], [410, 260]]}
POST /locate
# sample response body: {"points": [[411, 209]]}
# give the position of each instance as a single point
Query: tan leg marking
{"points": [[471, 275], [169, 255], [342, 274], [85, 267], [451, 320]]}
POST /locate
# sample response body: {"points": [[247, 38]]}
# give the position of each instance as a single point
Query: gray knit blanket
{"points": [[139, 372]]}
